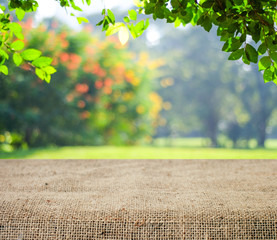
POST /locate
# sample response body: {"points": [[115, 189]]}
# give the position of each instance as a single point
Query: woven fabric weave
{"points": [[138, 199]]}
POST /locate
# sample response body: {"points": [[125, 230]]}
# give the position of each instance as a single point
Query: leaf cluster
{"points": [[239, 23], [12, 42], [96, 80], [12, 38]]}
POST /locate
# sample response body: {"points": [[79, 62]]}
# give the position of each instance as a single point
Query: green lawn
{"points": [[109, 152], [186, 148]]}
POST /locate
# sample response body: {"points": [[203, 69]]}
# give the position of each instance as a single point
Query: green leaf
{"points": [[47, 78], [146, 24], [3, 8], [273, 56], [100, 23], [245, 59], [105, 24], [177, 22], [15, 27], [225, 35], [4, 69], [74, 6], [17, 59], [20, 13], [19, 35], [132, 14], [77, 8], [236, 54], [45, 73], [201, 20], [140, 27], [42, 62], [49, 70], [262, 49], [189, 17], [207, 23], [126, 19], [114, 28], [159, 12], [264, 63], [4, 54], [17, 45], [111, 16], [123, 35], [40, 73], [268, 75], [208, 4], [31, 54], [17, 30], [231, 45], [251, 53], [82, 19], [132, 30]]}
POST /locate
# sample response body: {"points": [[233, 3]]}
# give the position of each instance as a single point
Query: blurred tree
{"points": [[259, 101], [100, 94], [211, 96], [201, 96]]}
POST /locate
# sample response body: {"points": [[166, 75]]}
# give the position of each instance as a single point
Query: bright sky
{"points": [[51, 8]]}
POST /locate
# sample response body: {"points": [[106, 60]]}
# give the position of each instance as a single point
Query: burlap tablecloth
{"points": [[138, 199]]}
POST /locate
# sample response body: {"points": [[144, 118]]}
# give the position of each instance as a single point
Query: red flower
{"points": [[64, 57], [82, 88], [108, 82], [63, 35], [98, 84], [85, 115], [81, 104], [29, 24], [75, 58], [97, 70], [64, 43]]}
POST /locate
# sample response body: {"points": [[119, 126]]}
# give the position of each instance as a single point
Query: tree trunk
{"points": [[28, 135], [261, 133], [211, 129], [214, 140]]}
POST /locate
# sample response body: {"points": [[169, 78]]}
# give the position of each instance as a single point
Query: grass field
{"points": [[180, 149]]}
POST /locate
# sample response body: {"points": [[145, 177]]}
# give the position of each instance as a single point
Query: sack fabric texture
{"points": [[138, 199]]}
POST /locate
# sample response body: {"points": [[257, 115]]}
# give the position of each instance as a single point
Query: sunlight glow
{"points": [[153, 35], [51, 8]]}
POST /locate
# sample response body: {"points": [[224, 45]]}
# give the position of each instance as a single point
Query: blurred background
{"points": [[172, 89]]}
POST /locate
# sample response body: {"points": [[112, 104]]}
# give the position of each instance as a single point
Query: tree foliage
{"points": [[223, 101], [239, 24], [100, 94]]}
